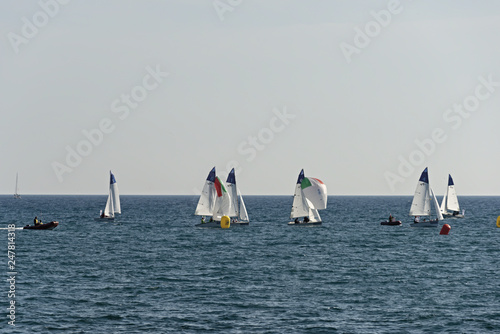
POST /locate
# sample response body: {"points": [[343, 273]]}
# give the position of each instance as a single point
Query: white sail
{"points": [[109, 210], [114, 194], [452, 201], [233, 194], [442, 208], [299, 206], [436, 206], [206, 203], [420, 205], [313, 214], [315, 191], [243, 215], [223, 201]]}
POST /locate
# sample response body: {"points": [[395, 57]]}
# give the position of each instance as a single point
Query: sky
{"points": [[360, 94]]}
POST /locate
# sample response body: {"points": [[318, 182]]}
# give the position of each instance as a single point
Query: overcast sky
{"points": [[361, 94]]}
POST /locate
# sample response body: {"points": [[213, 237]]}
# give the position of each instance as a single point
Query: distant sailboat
{"points": [[113, 202], [421, 204], [238, 210], [214, 202], [449, 205], [16, 195], [309, 197]]}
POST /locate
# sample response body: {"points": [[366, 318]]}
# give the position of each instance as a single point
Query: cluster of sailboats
{"points": [[424, 199], [221, 205], [218, 201]]}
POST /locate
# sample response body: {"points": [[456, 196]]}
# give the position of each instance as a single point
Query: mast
{"points": [[16, 195]]}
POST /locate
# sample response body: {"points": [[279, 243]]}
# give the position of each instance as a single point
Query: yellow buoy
{"points": [[225, 222], [498, 221]]}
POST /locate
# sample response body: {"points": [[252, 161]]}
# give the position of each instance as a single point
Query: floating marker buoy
{"points": [[498, 221], [445, 229], [225, 222]]}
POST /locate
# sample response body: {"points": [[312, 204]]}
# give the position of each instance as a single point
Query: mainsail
{"points": [[206, 202], [421, 200], [452, 199], [238, 208], [233, 193], [299, 205], [113, 191]]}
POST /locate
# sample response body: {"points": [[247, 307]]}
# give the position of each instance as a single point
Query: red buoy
{"points": [[445, 229]]}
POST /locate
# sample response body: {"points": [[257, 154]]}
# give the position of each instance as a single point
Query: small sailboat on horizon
{"points": [[421, 204], [16, 194], [113, 202], [449, 205], [309, 197]]}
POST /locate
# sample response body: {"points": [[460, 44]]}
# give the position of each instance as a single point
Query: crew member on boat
{"points": [[416, 220], [306, 220], [203, 219], [391, 218], [36, 221]]}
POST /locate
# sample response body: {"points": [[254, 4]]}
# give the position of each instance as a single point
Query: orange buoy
{"points": [[445, 229]]}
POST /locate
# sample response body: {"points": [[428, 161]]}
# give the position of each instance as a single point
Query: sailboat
{"points": [[214, 202], [449, 205], [238, 211], [421, 204], [309, 197], [16, 195], [113, 202]]}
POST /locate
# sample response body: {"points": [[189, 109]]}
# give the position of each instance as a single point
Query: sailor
{"points": [[203, 219], [416, 220], [296, 221], [306, 220], [35, 221], [390, 218]]}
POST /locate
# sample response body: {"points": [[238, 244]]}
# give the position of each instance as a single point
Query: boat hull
{"points": [[448, 215], [240, 223], [304, 224], [393, 223], [104, 218], [45, 226], [212, 224], [433, 223]]}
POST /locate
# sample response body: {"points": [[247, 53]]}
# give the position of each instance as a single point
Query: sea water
{"points": [[153, 271]]}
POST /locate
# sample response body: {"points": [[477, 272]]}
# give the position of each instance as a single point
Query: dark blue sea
{"points": [[153, 271]]}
